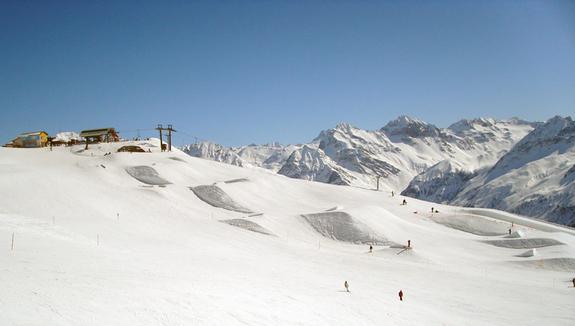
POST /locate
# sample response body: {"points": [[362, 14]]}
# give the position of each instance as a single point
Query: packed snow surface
{"points": [[94, 246]]}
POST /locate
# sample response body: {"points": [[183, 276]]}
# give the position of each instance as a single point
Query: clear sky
{"points": [[240, 72]]}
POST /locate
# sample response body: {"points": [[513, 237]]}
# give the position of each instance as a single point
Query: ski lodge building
{"points": [[100, 135], [30, 140]]}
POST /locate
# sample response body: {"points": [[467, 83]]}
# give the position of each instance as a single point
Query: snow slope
{"points": [[93, 245]]}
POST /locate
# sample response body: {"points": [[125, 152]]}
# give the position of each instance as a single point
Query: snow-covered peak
{"points": [[556, 126], [467, 124], [66, 136], [411, 127]]}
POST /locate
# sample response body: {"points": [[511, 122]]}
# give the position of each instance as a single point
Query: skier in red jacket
{"points": [[400, 295]]}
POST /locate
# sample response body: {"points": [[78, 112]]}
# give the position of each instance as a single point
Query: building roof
{"points": [[96, 132], [32, 133]]}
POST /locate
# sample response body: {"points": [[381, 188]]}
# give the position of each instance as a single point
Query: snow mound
{"points": [[516, 234], [216, 197], [524, 243], [147, 175], [176, 159], [556, 264], [472, 224], [237, 180], [528, 253], [248, 225], [335, 208], [343, 227]]}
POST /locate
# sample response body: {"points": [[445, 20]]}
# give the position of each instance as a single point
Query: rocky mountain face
{"points": [[406, 147], [535, 178]]}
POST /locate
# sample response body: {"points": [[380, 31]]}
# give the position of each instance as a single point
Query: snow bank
{"points": [[343, 227], [516, 234], [557, 264], [216, 197], [147, 175], [528, 253], [247, 225], [472, 224], [524, 243], [236, 180]]}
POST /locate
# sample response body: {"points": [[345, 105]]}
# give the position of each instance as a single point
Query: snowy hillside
{"points": [[98, 237], [534, 178], [398, 152]]}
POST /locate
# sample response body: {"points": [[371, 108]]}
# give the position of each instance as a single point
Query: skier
{"points": [[432, 210], [574, 282], [404, 202], [392, 194], [400, 295], [509, 231], [370, 249], [408, 243], [346, 286]]}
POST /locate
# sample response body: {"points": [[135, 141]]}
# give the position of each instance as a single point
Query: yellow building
{"points": [[31, 140]]}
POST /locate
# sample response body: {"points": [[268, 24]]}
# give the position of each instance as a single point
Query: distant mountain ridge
{"points": [[479, 162], [535, 178], [397, 152]]}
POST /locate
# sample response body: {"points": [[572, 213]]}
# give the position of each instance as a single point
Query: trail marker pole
{"points": [[12, 246], [97, 239], [53, 220]]}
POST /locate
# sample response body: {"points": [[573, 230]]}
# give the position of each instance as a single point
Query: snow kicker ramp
{"points": [[472, 224], [247, 225], [343, 227], [524, 243], [147, 175], [216, 197]]}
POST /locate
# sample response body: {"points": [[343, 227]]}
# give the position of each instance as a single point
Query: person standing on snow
{"points": [[404, 202], [400, 295], [370, 249], [346, 286], [574, 282]]}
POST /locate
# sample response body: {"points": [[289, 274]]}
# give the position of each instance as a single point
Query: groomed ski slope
{"points": [[95, 246]]}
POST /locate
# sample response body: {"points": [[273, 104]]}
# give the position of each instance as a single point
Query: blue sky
{"points": [[240, 72]]}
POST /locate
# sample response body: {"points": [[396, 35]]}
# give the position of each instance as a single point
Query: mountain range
{"points": [[514, 165]]}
